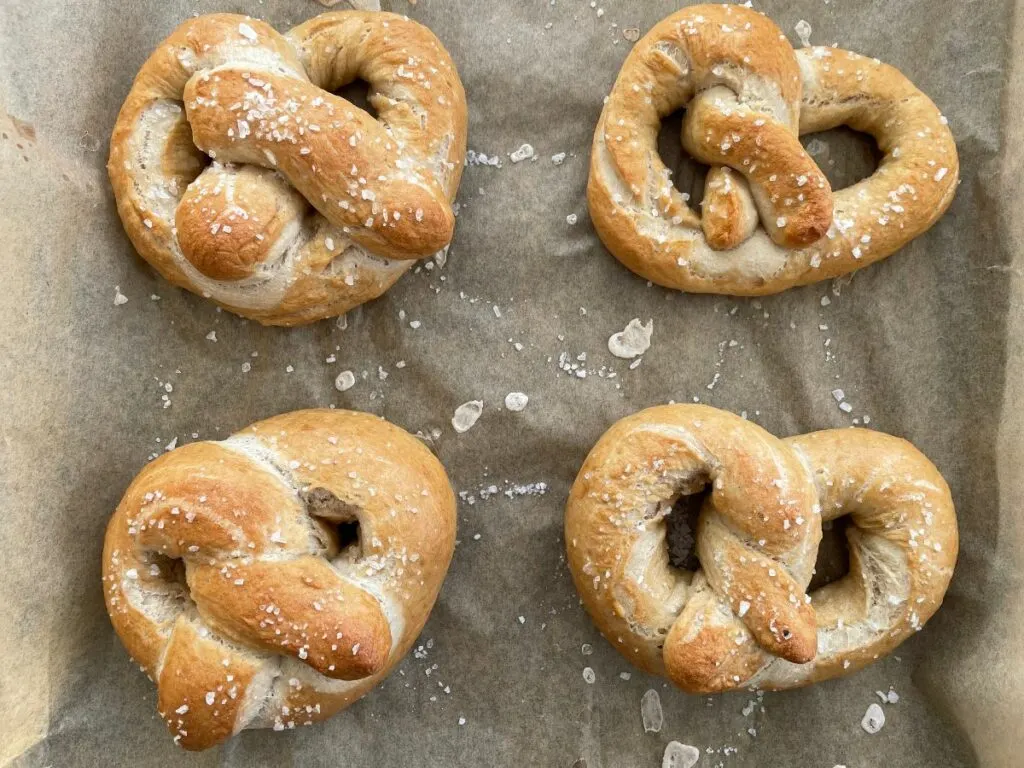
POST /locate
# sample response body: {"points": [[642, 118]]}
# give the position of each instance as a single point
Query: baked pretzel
{"points": [[225, 577], [744, 617], [242, 230], [748, 96]]}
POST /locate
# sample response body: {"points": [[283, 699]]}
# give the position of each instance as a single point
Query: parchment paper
{"points": [[926, 344]]}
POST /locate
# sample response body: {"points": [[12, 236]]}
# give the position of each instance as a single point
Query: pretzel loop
{"points": [[311, 205], [748, 96], [744, 617]]}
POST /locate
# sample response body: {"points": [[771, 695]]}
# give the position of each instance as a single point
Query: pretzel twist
{"points": [[226, 580], [748, 96], [744, 617], [310, 206]]}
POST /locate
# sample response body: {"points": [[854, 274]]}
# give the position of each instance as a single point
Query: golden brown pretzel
{"points": [[226, 580], [310, 206], [744, 618], [748, 95]]}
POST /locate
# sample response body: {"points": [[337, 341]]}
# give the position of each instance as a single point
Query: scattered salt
{"points": [[650, 711], [873, 719], [803, 31], [345, 380], [466, 415], [516, 401], [888, 697], [680, 756], [480, 158], [525, 152], [632, 341]]}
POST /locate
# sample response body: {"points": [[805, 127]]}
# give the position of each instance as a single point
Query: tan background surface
{"points": [[928, 344]]}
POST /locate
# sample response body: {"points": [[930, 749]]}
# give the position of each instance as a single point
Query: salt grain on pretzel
{"points": [[748, 97], [226, 579], [744, 616], [310, 205]]}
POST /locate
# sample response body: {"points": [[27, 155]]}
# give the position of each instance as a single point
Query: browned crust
{"points": [[711, 636], [258, 585], [760, 520], [406, 179], [645, 223]]}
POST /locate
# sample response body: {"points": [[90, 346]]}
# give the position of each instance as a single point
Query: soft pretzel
{"points": [[310, 205], [748, 96], [744, 617], [226, 580]]}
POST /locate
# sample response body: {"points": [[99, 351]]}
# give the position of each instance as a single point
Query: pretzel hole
{"points": [[358, 92], [833, 560], [172, 570], [170, 595], [335, 522], [844, 155], [181, 158], [688, 175], [681, 528]]}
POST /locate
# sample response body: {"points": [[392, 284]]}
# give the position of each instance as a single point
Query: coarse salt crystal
{"points": [[466, 415], [516, 401], [525, 152], [650, 711], [632, 341], [680, 755], [803, 31], [344, 381], [873, 719]]}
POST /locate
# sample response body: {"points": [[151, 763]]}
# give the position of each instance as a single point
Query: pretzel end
{"points": [[728, 214]]}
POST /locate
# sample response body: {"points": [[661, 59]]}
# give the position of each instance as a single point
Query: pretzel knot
{"points": [[226, 579], [748, 97], [240, 175], [744, 616]]}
